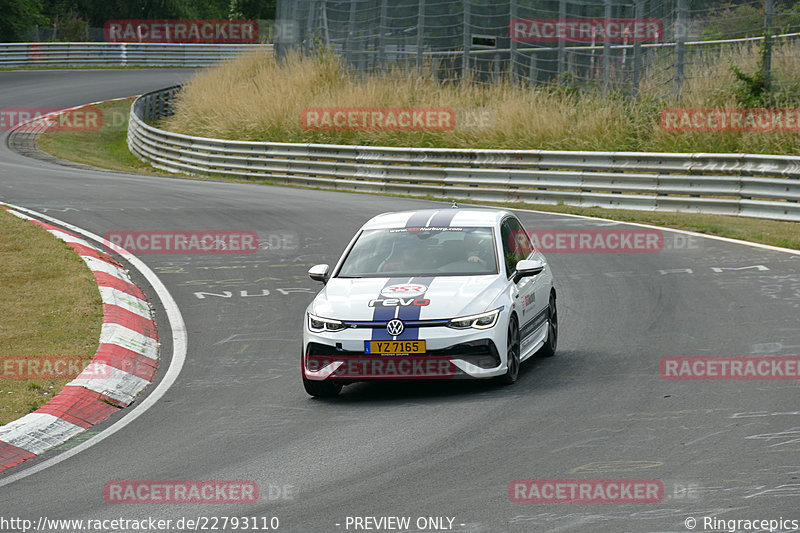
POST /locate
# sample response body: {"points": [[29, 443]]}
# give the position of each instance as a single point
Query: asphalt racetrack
{"points": [[599, 410]]}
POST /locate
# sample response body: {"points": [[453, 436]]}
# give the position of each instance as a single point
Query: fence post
{"points": [[606, 48], [382, 35], [512, 43], [310, 27], [637, 52], [351, 28], [420, 34], [680, 46], [571, 63], [467, 41], [284, 10], [562, 14], [532, 73], [766, 65]]}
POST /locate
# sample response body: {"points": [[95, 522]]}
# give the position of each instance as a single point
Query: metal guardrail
{"points": [[119, 54], [763, 186]]}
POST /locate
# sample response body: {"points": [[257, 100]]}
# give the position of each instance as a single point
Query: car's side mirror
{"points": [[319, 273], [528, 267]]}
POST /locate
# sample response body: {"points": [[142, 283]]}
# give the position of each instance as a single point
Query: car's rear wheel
{"points": [[549, 347], [321, 389], [512, 353]]}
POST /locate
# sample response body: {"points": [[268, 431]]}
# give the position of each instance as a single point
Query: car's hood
{"points": [[438, 297]]}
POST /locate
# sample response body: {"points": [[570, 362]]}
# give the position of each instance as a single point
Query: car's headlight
{"points": [[319, 324], [482, 321]]}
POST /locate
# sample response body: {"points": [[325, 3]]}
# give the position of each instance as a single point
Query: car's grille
{"points": [[481, 353]]}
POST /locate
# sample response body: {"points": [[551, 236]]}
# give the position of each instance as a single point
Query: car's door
{"points": [[531, 298]]}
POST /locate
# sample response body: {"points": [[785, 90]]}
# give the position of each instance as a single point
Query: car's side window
{"points": [[516, 244]]}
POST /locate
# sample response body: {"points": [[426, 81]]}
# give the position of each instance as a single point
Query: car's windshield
{"points": [[421, 252]]}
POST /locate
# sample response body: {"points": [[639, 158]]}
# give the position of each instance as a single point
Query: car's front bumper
{"points": [[450, 354]]}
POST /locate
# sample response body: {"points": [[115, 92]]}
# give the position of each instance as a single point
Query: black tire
{"points": [[512, 351], [549, 347], [321, 389]]}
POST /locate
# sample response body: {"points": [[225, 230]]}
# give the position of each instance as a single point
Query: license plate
{"points": [[394, 347]]}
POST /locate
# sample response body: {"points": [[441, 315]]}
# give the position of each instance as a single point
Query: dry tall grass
{"points": [[256, 98]]}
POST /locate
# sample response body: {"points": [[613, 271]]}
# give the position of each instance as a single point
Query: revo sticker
{"points": [[399, 302]]}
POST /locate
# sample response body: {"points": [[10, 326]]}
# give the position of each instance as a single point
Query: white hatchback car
{"points": [[434, 294]]}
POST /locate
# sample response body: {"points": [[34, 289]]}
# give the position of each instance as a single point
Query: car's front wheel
{"points": [[321, 389], [512, 354]]}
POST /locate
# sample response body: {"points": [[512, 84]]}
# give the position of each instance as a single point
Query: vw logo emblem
{"points": [[395, 327]]}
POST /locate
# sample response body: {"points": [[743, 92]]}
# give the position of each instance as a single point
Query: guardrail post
{"points": [[151, 108]]}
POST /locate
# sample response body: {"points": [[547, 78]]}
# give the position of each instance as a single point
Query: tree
{"points": [[18, 17], [729, 22], [257, 9]]}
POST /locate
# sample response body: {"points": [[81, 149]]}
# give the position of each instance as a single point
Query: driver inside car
{"points": [[475, 244]]}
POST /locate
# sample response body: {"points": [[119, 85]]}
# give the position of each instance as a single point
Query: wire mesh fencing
{"points": [[608, 45]]}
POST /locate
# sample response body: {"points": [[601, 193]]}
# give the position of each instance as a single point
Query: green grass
{"points": [[53, 308], [103, 148]]}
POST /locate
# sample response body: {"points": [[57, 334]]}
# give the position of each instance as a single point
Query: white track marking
{"points": [[100, 265], [113, 333], [38, 432], [126, 301]]}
